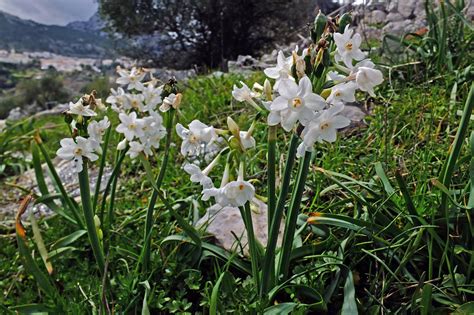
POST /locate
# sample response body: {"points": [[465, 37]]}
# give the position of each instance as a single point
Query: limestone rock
{"points": [[394, 17], [227, 226], [10, 197], [406, 7], [378, 16]]}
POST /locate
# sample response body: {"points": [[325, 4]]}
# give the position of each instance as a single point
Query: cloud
{"points": [[59, 12]]}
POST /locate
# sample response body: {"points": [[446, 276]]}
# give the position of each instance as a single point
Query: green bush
{"points": [[100, 84], [49, 88]]}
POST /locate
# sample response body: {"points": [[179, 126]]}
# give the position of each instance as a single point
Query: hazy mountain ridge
{"points": [[94, 24], [26, 35]]}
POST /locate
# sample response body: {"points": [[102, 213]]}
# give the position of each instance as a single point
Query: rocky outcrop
{"points": [[396, 17]]}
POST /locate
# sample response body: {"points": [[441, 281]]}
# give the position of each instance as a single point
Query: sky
{"points": [[58, 12]]}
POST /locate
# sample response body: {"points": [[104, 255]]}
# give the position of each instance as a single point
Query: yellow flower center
{"points": [[324, 126], [77, 151], [338, 93], [134, 104], [349, 46], [297, 102], [132, 126], [241, 187], [193, 139]]}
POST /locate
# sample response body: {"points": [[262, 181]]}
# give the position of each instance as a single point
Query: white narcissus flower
{"points": [[296, 102], [130, 126], [131, 78], [153, 131], [117, 99], [335, 76], [197, 135], [234, 194], [198, 176], [79, 109], [135, 149], [96, 130], [135, 101], [238, 193], [348, 47], [151, 97], [324, 127], [244, 94], [75, 151], [3, 124], [247, 140], [342, 92], [201, 177], [122, 145], [171, 101], [368, 78], [282, 70]]}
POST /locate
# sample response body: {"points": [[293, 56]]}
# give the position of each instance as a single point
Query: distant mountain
{"points": [[95, 24], [26, 35]]}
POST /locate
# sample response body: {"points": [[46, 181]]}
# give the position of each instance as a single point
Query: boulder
{"points": [[378, 16], [228, 229], [406, 7], [395, 17]]}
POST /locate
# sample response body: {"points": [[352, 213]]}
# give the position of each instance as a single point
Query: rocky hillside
{"points": [[95, 24], [26, 35]]}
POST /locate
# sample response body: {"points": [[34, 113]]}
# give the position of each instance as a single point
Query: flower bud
{"points": [[68, 118], [122, 145], [267, 89], [300, 65], [177, 100], [233, 128], [257, 87], [343, 21], [319, 26], [96, 222]]}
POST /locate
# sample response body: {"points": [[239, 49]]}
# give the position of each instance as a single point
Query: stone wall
{"points": [[395, 17]]}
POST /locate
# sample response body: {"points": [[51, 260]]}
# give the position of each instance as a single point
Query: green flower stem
{"points": [[456, 147], [449, 171], [101, 168], [268, 277], [66, 198], [111, 212], [113, 176], [89, 217], [271, 165], [154, 196], [290, 225], [252, 243]]}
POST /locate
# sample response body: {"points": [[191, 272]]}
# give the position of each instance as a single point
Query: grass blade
{"points": [[349, 306], [30, 264], [40, 243]]}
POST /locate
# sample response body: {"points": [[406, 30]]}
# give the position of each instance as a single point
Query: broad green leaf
{"points": [[281, 309], [349, 307]]}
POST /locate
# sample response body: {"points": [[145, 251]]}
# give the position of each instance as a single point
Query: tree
{"points": [[207, 32]]}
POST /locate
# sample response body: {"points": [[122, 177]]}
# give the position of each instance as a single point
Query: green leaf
{"points": [[215, 294], [40, 243], [349, 307], [218, 252], [69, 239], [145, 309], [281, 309], [60, 251], [426, 299], [465, 309]]}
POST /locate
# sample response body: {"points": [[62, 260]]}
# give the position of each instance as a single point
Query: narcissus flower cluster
{"points": [[87, 136], [140, 121], [137, 104], [301, 81]]}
